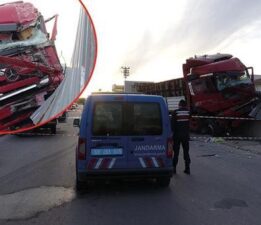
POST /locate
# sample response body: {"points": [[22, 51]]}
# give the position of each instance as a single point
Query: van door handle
{"points": [[137, 139]]}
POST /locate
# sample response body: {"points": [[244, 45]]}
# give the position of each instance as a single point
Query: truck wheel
{"points": [[53, 129], [214, 130], [163, 181], [204, 129]]}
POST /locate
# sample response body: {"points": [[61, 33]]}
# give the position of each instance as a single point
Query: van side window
{"points": [[146, 119], [107, 119]]}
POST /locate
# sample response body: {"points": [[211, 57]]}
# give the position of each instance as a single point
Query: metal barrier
{"points": [[225, 118], [227, 138]]}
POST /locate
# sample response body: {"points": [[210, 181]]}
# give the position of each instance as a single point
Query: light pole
{"points": [[126, 72]]}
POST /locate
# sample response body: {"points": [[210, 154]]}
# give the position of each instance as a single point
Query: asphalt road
{"points": [[37, 187]]}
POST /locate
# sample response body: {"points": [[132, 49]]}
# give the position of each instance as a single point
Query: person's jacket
{"points": [[180, 123]]}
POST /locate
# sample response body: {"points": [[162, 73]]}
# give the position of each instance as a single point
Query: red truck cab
{"points": [[30, 69], [221, 86]]}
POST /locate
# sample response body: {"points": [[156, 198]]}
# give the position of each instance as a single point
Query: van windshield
{"points": [[124, 119]]}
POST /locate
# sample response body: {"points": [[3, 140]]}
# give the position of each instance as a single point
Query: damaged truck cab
{"points": [[220, 86], [30, 69]]}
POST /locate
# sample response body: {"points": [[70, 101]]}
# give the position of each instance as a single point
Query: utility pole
{"points": [[125, 71]]}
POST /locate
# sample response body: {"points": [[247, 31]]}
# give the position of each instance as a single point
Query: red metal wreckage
{"points": [[30, 69]]}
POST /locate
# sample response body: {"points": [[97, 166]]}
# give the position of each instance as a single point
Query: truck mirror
{"points": [[192, 77], [76, 122], [250, 71]]}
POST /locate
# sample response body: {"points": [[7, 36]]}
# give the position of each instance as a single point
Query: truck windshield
{"points": [[28, 37], [231, 79]]}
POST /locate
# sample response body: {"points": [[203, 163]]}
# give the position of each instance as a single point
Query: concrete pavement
{"points": [[224, 187]]}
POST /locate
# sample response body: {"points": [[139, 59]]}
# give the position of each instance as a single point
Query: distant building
{"points": [[172, 90], [133, 86], [169, 88], [117, 88]]}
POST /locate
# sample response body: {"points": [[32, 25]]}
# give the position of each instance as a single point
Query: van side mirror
{"points": [[76, 122]]}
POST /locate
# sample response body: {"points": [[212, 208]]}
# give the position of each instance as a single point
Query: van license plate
{"points": [[106, 151]]}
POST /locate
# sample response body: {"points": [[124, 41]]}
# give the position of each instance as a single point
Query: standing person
{"points": [[180, 128]]}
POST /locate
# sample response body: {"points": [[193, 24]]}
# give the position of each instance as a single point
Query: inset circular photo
{"points": [[48, 52]]}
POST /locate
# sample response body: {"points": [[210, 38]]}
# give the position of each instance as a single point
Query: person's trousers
{"points": [[176, 147]]}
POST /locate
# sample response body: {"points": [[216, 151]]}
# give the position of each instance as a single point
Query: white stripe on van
{"points": [[155, 162], [98, 163], [183, 120], [142, 162], [183, 112], [112, 163]]}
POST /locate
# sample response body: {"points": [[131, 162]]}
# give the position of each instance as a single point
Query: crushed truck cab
{"points": [[219, 85], [30, 69]]}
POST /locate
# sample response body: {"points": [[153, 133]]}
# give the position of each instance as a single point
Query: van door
{"points": [[106, 142], [146, 135]]}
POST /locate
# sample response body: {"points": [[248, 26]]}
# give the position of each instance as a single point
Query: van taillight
{"points": [[81, 149], [170, 148]]}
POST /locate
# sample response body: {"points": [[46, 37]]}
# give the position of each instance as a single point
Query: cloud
{"points": [[159, 36], [206, 24], [203, 26], [138, 56]]}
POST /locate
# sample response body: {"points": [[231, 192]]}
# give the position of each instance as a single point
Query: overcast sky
{"points": [[154, 37]]}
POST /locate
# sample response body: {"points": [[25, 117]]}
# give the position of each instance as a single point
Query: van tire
{"points": [[80, 185], [163, 181]]}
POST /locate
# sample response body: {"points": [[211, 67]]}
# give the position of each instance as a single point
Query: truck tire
{"points": [[53, 129], [163, 181], [215, 130]]}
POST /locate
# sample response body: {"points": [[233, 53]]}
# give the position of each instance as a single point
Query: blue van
{"points": [[123, 136]]}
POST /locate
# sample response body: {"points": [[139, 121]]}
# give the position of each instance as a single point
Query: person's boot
{"points": [[187, 170]]}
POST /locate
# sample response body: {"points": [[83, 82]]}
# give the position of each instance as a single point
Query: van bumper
{"points": [[120, 174]]}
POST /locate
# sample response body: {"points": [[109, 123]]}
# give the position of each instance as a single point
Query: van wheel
{"points": [[80, 185], [163, 181]]}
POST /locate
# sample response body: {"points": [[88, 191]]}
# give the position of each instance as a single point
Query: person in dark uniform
{"points": [[180, 128]]}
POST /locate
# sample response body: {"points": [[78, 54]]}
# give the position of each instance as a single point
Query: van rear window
{"points": [[144, 119], [108, 119], [124, 119]]}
